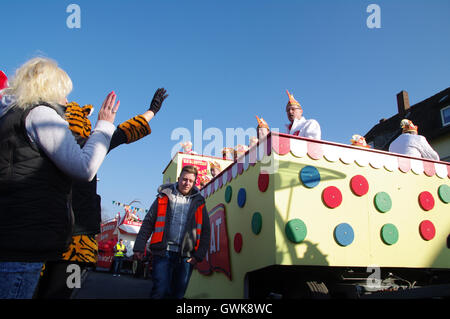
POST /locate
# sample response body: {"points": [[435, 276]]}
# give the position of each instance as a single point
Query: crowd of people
{"points": [[50, 155]]}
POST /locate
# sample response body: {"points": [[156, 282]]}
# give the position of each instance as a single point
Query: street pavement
{"points": [[103, 285]]}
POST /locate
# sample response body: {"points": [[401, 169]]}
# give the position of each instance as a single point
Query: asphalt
{"points": [[103, 285]]}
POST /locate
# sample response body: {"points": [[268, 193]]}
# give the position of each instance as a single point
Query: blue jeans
{"points": [[18, 280], [118, 264], [170, 276]]}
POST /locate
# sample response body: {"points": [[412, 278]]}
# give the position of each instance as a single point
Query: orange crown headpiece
{"points": [[292, 100], [262, 123], [214, 164], [358, 140], [408, 126]]}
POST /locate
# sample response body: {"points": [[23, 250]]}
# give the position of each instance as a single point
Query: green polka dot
{"points": [[383, 202], [228, 193], [295, 230], [389, 234], [256, 223], [444, 193]]}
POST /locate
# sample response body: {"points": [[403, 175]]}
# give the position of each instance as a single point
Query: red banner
{"points": [[202, 167], [218, 256]]}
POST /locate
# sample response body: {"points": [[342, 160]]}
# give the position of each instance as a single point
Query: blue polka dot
{"points": [[242, 195], [310, 176], [343, 234]]}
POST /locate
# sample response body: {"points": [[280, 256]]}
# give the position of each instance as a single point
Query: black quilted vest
{"points": [[35, 214]]}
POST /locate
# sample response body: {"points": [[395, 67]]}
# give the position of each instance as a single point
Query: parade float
{"points": [[124, 227], [297, 217]]}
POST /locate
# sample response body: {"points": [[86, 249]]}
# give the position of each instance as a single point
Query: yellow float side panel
{"points": [[258, 250]]}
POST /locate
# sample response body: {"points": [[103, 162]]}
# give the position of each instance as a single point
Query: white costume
{"points": [[413, 145], [305, 128]]}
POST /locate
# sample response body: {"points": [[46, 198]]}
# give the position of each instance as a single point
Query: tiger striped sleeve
{"points": [[135, 128]]}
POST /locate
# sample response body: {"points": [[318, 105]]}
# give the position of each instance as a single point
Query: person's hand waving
{"points": [[158, 99], [109, 108]]}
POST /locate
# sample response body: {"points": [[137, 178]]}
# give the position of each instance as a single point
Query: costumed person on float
{"points": [[263, 128], [83, 248], [299, 125], [228, 153], [187, 148], [411, 144], [360, 141], [214, 168]]}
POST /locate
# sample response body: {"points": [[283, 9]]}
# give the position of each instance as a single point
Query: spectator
{"points": [[35, 187], [83, 249], [119, 254], [179, 226]]}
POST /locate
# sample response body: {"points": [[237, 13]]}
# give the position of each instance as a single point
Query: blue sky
{"points": [[223, 62]]}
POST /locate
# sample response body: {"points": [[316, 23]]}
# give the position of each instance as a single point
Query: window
{"points": [[445, 114]]}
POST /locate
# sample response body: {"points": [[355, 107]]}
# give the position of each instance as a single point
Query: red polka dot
{"points": [[332, 196], [359, 185], [238, 242], [426, 200], [263, 181], [427, 230]]}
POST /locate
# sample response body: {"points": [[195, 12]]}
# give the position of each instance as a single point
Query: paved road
{"points": [[102, 285]]}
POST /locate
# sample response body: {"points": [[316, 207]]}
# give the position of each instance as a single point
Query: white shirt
{"points": [[305, 128], [413, 145]]}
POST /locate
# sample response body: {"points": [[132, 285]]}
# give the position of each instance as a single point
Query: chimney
{"points": [[402, 102]]}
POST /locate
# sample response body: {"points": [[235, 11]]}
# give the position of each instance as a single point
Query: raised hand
{"points": [[158, 99], [109, 108]]}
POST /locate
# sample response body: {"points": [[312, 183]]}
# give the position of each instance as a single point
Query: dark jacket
{"points": [[189, 237], [85, 200], [35, 213]]}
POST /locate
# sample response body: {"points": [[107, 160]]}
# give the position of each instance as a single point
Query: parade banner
{"points": [[218, 256], [202, 167]]}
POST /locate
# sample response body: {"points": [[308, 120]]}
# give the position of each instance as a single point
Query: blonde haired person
{"points": [[39, 158]]}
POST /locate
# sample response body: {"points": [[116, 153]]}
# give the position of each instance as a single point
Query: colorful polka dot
{"points": [[359, 185], [242, 196], [228, 193], [256, 223], [343, 234], [427, 230], [426, 201], [309, 176], [383, 202], [263, 181], [389, 234], [332, 196], [444, 193], [238, 242], [295, 230]]}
